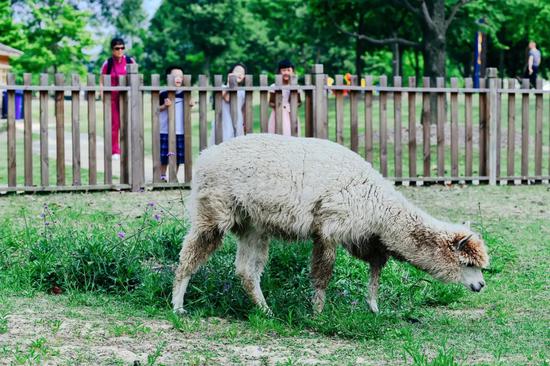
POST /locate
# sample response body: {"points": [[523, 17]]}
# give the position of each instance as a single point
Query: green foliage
{"points": [[131, 25], [192, 33], [55, 38], [206, 36], [11, 33]]}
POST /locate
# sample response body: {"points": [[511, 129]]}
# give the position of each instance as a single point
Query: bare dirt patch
{"points": [[87, 335]]}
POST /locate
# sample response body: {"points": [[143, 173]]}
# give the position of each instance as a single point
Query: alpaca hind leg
{"points": [[252, 254], [197, 248], [322, 264], [376, 265]]}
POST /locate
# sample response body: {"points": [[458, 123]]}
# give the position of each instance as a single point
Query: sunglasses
{"points": [[118, 48]]}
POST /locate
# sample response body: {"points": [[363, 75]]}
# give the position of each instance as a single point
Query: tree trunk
{"points": [[417, 65], [433, 50], [360, 48], [434, 41], [396, 60], [434, 56]]}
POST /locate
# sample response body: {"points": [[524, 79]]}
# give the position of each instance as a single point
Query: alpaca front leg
{"points": [[322, 264]]}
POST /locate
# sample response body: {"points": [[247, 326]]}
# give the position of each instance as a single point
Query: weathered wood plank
{"points": [[354, 115], [124, 133], [538, 129], [525, 130], [294, 127], [60, 130], [412, 129], [499, 126], [92, 147], [264, 105], [426, 113], [383, 127], [218, 129], [279, 106], [12, 167], [454, 129], [441, 121], [248, 108], [320, 126], [468, 111], [27, 102], [308, 110], [172, 155], [492, 120], [511, 139], [136, 126], [44, 158], [155, 128], [339, 111], [107, 133], [187, 133], [203, 114], [369, 139], [397, 127], [483, 134], [234, 103], [75, 129]]}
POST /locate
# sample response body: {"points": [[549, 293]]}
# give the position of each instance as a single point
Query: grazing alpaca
{"points": [[262, 186]]}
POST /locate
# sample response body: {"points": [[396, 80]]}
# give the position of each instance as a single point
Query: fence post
{"points": [[12, 172], [136, 129], [320, 121], [492, 120]]}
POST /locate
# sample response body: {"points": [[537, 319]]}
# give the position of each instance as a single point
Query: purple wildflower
{"points": [[226, 286], [42, 215], [46, 223], [170, 153], [151, 204], [156, 217], [121, 234], [354, 303]]}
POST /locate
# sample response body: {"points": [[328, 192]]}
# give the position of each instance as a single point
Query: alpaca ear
{"points": [[460, 245]]}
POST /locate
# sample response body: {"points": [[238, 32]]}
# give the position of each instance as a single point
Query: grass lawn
{"points": [[86, 279]]}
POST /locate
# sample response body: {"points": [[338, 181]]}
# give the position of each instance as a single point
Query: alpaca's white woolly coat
{"points": [[302, 188]]}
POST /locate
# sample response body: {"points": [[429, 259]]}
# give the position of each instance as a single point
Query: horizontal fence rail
{"points": [[412, 131]]}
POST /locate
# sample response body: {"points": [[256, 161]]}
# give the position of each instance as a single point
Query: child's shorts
{"points": [[180, 149]]}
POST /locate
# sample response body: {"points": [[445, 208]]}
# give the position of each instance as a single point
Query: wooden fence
{"points": [[458, 147]]}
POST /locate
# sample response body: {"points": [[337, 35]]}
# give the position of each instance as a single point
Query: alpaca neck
{"points": [[417, 238]]}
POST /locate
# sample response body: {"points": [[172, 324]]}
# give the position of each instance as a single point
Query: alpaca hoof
{"points": [[267, 311], [318, 302], [317, 309], [373, 306], [180, 311]]}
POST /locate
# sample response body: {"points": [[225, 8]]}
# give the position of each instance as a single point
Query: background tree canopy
{"points": [[405, 37]]}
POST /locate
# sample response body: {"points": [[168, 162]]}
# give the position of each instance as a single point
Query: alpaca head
{"points": [[471, 254], [451, 253]]}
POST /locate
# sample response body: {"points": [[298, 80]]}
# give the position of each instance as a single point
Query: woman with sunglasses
{"points": [[116, 66]]}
